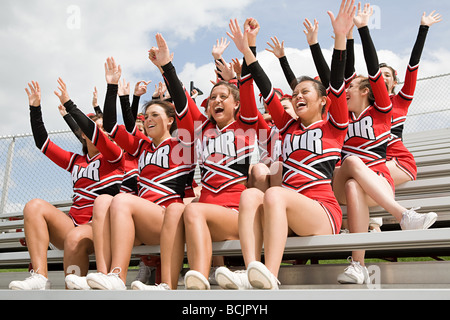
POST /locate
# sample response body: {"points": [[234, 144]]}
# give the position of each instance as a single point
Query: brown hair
{"points": [[320, 88], [169, 109], [233, 90], [365, 84]]}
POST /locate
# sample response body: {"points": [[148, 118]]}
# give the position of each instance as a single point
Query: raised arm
{"points": [[341, 25], [311, 31], [277, 48], [409, 85], [382, 100], [109, 149], [161, 57], [62, 158]]}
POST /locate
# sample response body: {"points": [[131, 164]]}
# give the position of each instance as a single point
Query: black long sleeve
{"points": [[244, 68], [83, 121], [135, 106], [261, 79], [176, 91], [337, 68], [418, 46], [288, 73], [370, 53], [73, 126], [37, 126], [321, 65], [350, 63], [128, 118], [110, 107]]}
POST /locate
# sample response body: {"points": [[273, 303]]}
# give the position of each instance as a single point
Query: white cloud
{"points": [[38, 44], [42, 40]]}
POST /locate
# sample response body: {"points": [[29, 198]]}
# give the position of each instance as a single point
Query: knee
{"points": [[353, 163], [272, 196], [33, 208], [101, 206], [119, 203], [250, 198], [174, 213], [76, 241], [191, 214], [352, 188]]}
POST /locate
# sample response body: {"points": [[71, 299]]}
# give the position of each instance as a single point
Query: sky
{"points": [[46, 39]]}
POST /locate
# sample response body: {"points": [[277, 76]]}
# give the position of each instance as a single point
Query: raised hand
{"points": [[431, 19], [62, 110], [124, 88], [160, 55], [34, 94], [141, 88], [113, 71], [277, 48], [363, 16], [95, 98], [63, 95], [240, 39], [311, 32], [225, 70], [252, 26], [219, 48], [343, 22]]}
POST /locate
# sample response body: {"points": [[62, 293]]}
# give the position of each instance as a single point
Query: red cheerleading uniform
{"points": [[369, 133], [91, 177], [311, 153], [396, 150], [163, 169], [225, 154]]}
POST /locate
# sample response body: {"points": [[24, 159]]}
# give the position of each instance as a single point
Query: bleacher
{"points": [[430, 192]]}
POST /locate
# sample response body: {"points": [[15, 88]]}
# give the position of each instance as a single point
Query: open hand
{"points": [[63, 95], [112, 71], [431, 19], [34, 94]]}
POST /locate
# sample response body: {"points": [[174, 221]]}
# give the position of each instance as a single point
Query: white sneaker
{"points": [[138, 285], [110, 281], [260, 277], [355, 273], [194, 280], [236, 280], [411, 220], [74, 282], [35, 282]]}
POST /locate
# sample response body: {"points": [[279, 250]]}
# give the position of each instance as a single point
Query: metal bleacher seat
{"points": [[430, 191]]}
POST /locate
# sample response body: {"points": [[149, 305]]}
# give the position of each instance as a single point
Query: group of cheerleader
{"points": [[335, 141]]}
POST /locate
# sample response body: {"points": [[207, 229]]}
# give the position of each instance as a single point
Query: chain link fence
{"points": [[26, 173]]}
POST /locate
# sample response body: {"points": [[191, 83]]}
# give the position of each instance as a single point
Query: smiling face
{"points": [[389, 78], [222, 105], [358, 94], [307, 102], [157, 123]]}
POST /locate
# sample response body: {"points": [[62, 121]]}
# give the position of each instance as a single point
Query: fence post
{"points": [[7, 175]]}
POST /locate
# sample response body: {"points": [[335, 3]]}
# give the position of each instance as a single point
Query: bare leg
{"points": [[133, 221], [78, 245], [259, 177], [397, 174], [250, 224], [172, 244], [374, 186], [43, 223], [357, 213], [286, 210], [205, 223], [101, 229]]}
